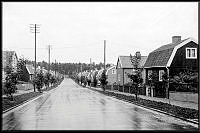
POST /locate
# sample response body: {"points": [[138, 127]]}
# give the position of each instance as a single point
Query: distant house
{"points": [[171, 58], [124, 67], [9, 59], [111, 75], [28, 73]]}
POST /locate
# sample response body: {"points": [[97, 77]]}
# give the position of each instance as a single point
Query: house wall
{"points": [[120, 76], [127, 70], [143, 75], [124, 77], [14, 62], [158, 91], [26, 76], [111, 77], [180, 62]]}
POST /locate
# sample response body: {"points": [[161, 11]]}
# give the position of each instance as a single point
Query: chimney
{"points": [[176, 39], [138, 55]]}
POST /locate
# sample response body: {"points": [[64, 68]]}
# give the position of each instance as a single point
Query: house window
{"points": [[161, 72], [149, 73], [191, 53], [113, 71]]}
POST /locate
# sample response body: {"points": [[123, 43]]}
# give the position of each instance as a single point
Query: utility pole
{"points": [[81, 74], [49, 47], [104, 54], [55, 67], [90, 71], [34, 28], [90, 64]]}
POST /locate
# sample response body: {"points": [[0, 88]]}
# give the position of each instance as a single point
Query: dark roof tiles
{"points": [[160, 56]]}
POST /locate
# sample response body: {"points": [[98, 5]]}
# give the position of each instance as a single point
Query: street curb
{"points": [[36, 97], [182, 118]]}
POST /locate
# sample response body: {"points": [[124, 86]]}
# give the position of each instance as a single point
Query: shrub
{"points": [[184, 82], [10, 85], [38, 80], [103, 79], [10, 82], [47, 78]]}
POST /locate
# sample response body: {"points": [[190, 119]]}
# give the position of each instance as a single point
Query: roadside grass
{"points": [[6, 103], [172, 109], [19, 99]]}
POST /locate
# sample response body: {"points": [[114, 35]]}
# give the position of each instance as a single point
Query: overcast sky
{"points": [[76, 30]]}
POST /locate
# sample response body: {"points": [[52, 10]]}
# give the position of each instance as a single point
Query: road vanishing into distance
{"points": [[71, 107]]}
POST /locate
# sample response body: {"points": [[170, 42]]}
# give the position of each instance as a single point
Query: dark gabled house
{"points": [[28, 73], [124, 66], [171, 58]]}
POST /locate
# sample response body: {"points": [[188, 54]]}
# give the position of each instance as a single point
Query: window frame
{"points": [[113, 71], [190, 49], [161, 72], [149, 72]]}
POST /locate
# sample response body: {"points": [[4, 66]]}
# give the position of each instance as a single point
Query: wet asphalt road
{"points": [[71, 107]]}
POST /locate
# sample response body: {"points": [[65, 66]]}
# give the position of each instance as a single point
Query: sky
{"points": [[76, 30]]}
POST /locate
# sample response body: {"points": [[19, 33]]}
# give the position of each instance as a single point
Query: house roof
{"points": [[163, 56], [126, 62], [30, 69], [7, 55]]}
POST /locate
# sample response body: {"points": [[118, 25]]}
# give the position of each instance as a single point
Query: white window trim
{"points": [[195, 50], [160, 75], [149, 73]]}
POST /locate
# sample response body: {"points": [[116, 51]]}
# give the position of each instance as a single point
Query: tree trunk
{"points": [[11, 97]]}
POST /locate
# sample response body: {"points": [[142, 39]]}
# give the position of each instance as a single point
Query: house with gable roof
{"points": [[111, 75], [28, 73], [125, 66], [9, 58], [172, 58]]}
